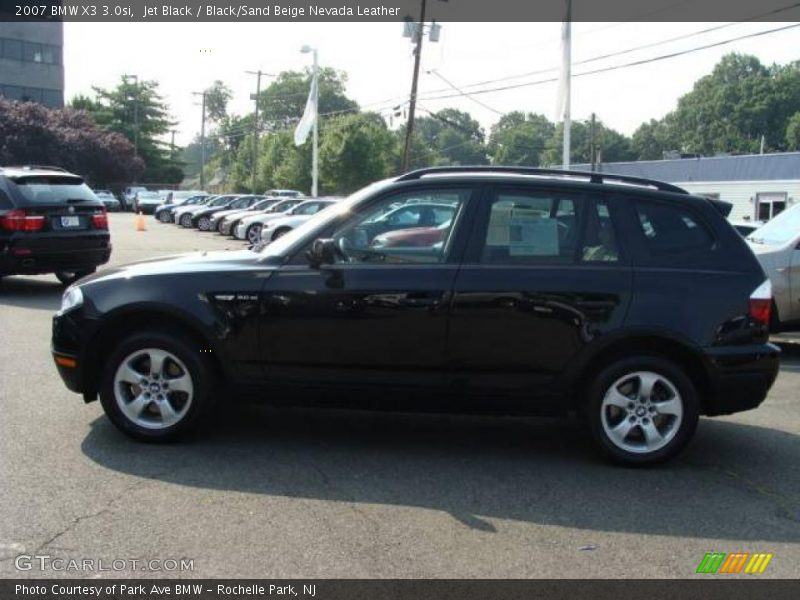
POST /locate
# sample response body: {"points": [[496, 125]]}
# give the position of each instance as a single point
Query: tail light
{"points": [[761, 303], [20, 220], [100, 220]]}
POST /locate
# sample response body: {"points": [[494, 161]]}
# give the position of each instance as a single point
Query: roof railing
{"points": [[36, 168], [591, 176]]}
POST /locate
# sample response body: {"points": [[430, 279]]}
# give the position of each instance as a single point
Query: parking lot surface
{"points": [[303, 493]]}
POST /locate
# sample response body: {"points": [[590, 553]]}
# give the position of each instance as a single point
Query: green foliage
{"points": [[520, 139], [450, 137], [793, 133], [356, 150], [612, 146], [138, 112], [217, 98]]}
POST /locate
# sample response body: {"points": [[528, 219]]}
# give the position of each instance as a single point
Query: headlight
{"points": [[72, 298]]}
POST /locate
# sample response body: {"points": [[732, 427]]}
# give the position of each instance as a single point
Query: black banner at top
{"points": [[132, 11]]}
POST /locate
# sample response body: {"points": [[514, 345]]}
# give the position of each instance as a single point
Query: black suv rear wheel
{"points": [[642, 410]]}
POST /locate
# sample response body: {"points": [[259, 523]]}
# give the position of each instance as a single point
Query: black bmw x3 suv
{"points": [[50, 222], [627, 302]]}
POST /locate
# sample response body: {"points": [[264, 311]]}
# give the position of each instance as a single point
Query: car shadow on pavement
{"points": [[738, 482], [30, 292]]}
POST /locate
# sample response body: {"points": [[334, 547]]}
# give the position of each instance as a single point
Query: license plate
{"points": [[70, 222]]}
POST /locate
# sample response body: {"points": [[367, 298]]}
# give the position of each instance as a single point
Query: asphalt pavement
{"points": [[296, 493]]}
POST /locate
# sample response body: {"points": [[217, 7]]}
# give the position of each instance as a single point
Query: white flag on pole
{"points": [[563, 80], [309, 116]]}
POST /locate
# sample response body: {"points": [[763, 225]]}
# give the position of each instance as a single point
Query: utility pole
{"points": [[172, 144], [413, 99], [593, 148], [135, 112], [567, 67], [202, 141], [315, 151], [255, 97]]}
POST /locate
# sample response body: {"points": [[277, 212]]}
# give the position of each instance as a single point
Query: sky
{"points": [[189, 57]]}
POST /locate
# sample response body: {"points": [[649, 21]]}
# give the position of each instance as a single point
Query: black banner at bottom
{"points": [[712, 588]]}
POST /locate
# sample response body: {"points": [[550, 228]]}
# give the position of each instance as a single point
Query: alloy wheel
{"points": [[204, 224], [641, 412], [163, 216], [153, 388], [254, 234], [186, 220]]}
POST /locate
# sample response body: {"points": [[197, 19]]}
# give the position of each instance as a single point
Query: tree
{"points": [[217, 98], [137, 111], [612, 146], [453, 136], [793, 133], [68, 138], [520, 139], [283, 102], [356, 150]]}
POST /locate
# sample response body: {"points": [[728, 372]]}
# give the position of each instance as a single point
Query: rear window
{"points": [[52, 189], [671, 230]]}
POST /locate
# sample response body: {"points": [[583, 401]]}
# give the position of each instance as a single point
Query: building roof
{"points": [[747, 167]]}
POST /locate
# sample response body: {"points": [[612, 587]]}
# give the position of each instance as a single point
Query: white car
{"points": [[275, 228], [777, 247], [249, 228], [184, 214]]}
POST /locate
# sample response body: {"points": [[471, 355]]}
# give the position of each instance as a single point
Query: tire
{"points": [[164, 413], [656, 426], [70, 277], [186, 221], [219, 227], [280, 232], [253, 233], [163, 216], [204, 224]]}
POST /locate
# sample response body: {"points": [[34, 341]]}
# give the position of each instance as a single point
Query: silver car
{"points": [[777, 247]]}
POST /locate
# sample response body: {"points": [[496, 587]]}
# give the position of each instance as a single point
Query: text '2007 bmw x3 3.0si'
{"points": [[628, 302]]}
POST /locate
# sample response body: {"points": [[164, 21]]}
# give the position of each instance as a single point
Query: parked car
{"points": [[294, 217], [146, 202], [129, 195], [259, 204], [415, 236], [249, 228], [174, 211], [108, 199], [626, 301], [201, 217], [184, 214], [284, 193], [164, 212], [777, 247], [207, 219], [745, 228], [50, 222]]}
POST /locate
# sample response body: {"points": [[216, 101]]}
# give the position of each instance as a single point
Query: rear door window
{"points": [[672, 230]]}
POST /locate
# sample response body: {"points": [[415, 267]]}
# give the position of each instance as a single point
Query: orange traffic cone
{"points": [[140, 226]]}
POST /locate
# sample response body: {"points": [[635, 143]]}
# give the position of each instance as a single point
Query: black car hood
{"points": [[197, 262]]}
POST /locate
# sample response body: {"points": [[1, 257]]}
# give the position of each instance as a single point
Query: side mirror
{"points": [[323, 252]]}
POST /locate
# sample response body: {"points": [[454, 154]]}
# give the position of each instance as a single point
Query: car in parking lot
{"points": [[249, 228], [50, 222], [108, 199], [284, 194], [777, 247], [204, 217], [165, 212], [129, 195], [627, 302], [184, 215], [225, 221], [146, 202], [275, 228]]}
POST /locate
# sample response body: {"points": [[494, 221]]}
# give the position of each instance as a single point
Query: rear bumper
{"points": [[740, 377], [35, 255]]}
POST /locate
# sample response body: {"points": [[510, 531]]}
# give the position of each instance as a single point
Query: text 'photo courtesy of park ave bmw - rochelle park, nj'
{"points": [[399, 299]]}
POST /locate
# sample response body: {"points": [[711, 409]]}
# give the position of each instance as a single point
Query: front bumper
{"points": [[740, 377], [71, 333], [240, 231]]}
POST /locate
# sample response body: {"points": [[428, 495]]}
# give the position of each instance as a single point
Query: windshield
{"points": [[148, 195], [263, 204], [53, 189], [782, 229], [284, 245], [221, 201]]}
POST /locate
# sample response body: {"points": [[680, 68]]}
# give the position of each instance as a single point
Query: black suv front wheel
{"points": [[157, 387], [642, 410]]}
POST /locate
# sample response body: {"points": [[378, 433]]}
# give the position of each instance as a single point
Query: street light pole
{"points": [[315, 134], [135, 113], [258, 75]]}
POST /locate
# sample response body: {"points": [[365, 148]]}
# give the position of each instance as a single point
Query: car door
{"points": [[377, 316], [543, 275]]}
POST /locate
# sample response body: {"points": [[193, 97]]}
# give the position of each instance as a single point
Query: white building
{"points": [[759, 186]]}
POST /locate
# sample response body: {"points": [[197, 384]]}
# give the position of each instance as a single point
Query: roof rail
{"points": [[36, 168], [592, 176]]}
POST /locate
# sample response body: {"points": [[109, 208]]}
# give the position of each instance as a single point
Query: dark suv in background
{"points": [[626, 301], [50, 222]]}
